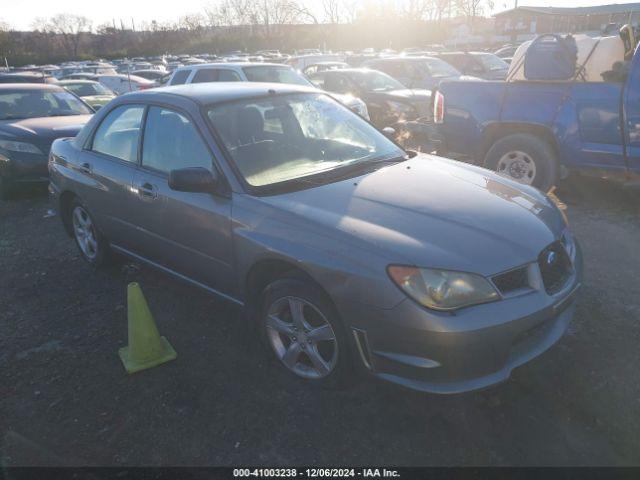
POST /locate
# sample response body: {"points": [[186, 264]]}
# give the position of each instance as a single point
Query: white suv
{"points": [[255, 72]]}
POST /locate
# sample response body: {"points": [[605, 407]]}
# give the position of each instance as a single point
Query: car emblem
{"points": [[551, 258]]}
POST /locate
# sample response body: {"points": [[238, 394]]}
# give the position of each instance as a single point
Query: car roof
{"points": [[403, 59], [78, 81], [218, 92], [25, 73], [29, 86], [347, 70], [231, 65]]}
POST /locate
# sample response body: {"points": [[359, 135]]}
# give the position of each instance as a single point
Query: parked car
{"points": [[416, 72], [344, 249], [389, 103], [322, 66], [31, 117], [80, 76], [93, 93], [93, 69], [153, 74], [121, 83], [507, 51], [254, 72], [302, 61], [537, 131], [486, 66], [26, 77]]}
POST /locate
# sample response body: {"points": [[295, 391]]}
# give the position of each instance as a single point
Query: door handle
{"points": [[147, 190], [85, 168]]}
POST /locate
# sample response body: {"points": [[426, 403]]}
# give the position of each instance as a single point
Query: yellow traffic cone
{"points": [[146, 347]]}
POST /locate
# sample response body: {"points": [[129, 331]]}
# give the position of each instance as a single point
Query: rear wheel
{"points": [[524, 158], [93, 246], [302, 330]]}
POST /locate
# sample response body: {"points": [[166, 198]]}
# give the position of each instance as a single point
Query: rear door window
{"points": [[228, 76], [180, 77], [205, 75]]}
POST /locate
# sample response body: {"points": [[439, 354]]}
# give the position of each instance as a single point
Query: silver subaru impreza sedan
{"points": [[348, 253]]}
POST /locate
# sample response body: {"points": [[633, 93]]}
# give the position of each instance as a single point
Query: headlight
{"points": [[569, 244], [442, 289], [19, 147]]}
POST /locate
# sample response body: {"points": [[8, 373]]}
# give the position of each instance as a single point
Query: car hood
{"points": [[433, 212], [43, 131]]}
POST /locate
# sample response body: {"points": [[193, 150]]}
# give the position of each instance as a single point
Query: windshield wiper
{"points": [[361, 167]]}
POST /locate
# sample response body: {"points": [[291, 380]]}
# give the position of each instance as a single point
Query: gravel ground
{"points": [[66, 400]]}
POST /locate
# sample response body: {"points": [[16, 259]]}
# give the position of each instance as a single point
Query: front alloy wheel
{"points": [[300, 327], [301, 337]]}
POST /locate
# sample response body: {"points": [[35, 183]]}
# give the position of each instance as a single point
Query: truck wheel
{"points": [[524, 158]]}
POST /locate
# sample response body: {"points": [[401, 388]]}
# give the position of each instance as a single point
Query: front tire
{"points": [[302, 331], [526, 159], [93, 246]]}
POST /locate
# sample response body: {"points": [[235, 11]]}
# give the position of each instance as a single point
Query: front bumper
{"points": [[472, 349]]}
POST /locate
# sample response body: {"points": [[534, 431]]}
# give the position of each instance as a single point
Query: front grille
{"points": [[555, 267], [512, 280]]}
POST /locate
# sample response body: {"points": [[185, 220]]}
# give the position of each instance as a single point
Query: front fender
{"points": [[345, 270]]}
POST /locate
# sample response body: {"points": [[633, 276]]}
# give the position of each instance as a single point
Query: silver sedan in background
{"points": [[347, 252]]}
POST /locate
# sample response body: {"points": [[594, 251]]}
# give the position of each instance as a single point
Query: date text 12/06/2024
{"points": [[316, 472]]}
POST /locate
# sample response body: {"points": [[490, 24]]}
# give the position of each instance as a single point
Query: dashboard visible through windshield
{"points": [[293, 137]]}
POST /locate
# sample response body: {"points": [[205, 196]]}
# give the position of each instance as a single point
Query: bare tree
{"points": [[69, 27], [340, 11], [473, 8], [4, 42], [441, 8], [416, 9], [192, 22]]}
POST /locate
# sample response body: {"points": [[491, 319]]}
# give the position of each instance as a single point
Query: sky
{"points": [[21, 14]]}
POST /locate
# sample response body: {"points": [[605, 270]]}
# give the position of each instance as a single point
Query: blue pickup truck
{"points": [[536, 132]]}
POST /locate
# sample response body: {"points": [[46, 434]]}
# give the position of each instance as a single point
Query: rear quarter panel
{"points": [[469, 107]]}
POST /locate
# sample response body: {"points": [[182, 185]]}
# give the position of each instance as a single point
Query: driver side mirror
{"points": [[193, 179]]}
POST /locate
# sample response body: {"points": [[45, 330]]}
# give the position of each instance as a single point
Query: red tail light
{"points": [[438, 108], [145, 86]]}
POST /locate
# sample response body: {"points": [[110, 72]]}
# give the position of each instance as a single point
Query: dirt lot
{"points": [[65, 399]]}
